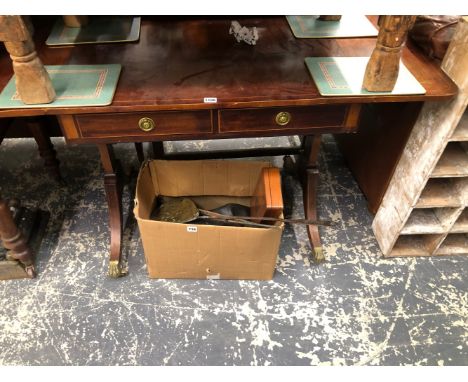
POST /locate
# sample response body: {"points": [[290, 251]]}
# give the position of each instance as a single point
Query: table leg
{"points": [[383, 66], [3, 131], [140, 152], [309, 174], [46, 148], [32, 80], [14, 241], [114, 204], [158, 150]]}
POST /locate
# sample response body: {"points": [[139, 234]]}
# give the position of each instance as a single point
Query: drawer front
{"points": [[141, 124], [283, 118]]}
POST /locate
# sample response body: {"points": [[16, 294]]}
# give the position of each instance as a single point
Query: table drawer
{"points": [[141, 125], [278, 119]]}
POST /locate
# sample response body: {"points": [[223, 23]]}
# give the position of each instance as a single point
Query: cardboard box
{"points": [[174, 250]]}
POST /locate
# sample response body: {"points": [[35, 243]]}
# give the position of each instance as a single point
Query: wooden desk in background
{"points": [[262, 90]]}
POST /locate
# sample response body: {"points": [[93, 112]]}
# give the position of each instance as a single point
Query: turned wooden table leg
{"points": [[14, 241], [309, 176], [32, 80], [115, 209], [46, 148], [384, 63]]}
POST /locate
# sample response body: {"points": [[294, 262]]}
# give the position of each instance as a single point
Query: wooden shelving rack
{"points": [[425, 209]]}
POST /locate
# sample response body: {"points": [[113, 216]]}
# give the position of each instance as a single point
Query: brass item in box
{"points": [[184, 210], [175, 210]]}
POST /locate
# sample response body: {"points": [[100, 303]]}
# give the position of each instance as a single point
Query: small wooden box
{"points": [[267, 200]]}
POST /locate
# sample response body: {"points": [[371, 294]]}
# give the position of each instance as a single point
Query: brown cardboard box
{"points": [[174, 250]]}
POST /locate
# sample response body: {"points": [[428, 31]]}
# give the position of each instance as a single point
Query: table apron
{"points": [[209, 124]]}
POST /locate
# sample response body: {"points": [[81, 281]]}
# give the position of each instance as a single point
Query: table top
{"points": [[181, 60]]}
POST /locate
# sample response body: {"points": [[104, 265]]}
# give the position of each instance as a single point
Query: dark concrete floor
{"points": [[356, 309]]}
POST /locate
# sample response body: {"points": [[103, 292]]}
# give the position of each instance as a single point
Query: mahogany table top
{"points": [[181, 60]]}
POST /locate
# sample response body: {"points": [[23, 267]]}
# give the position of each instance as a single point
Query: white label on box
{"points": [[210, 100], [192, 228], [217, 276]]}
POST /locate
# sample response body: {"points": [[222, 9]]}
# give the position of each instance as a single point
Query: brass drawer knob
{"points": [[146, 124], [283, 118]]}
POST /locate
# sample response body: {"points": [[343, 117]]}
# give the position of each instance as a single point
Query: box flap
{"points": [[206, 177], [145, 191]]}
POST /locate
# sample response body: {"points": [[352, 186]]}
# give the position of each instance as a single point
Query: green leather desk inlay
{"points": [[344, 76], [101, 29], [348, 26], [75, 85]]}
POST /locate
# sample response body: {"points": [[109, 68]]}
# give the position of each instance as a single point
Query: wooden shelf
{"points": [[422, 221], [462, 185], [415, 245], [439, 192], [424, 210], [430, 220], [461, 225], [453, 162], [461, 132], [454, 244]]}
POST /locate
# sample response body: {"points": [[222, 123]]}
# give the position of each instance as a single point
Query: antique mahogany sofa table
{"points": [[259, 91]]}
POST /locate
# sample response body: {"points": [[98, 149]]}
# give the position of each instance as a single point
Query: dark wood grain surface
{"points": [[179, 61], [373, 152]]}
